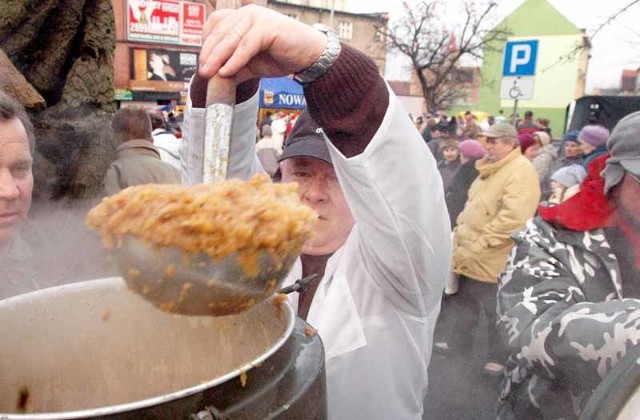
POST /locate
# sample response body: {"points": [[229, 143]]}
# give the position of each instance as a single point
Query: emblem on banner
{"points": [[269, 97]]}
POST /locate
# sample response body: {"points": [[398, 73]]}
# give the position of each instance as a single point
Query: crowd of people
{"points": [[523, 208], [532, 241]]}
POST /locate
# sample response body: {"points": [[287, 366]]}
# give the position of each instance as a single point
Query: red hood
{"points": [[588, 209]]}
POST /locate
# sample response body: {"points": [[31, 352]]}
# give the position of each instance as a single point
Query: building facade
{"points": [[357, 30], [560, 65], [157, 46], [158, 42]]}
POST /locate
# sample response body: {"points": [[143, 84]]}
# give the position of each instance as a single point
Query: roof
{"points": [[538, 18]]}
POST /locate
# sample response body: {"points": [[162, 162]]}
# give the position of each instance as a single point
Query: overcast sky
{"points": [[615, 47]]}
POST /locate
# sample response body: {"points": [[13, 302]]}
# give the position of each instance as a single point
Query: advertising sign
{"points": [[281, 92], [161, 70], [165, 21], [193, 18]]}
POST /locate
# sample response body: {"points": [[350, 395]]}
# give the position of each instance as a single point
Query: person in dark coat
{"points": [[569, 154], [450, 160], [457, 193], [437, 137]]}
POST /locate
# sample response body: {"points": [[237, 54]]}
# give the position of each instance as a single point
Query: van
{"points": [[602, 110]]}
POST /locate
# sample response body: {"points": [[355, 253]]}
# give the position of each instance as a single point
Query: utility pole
{"points": [[333, 6]]}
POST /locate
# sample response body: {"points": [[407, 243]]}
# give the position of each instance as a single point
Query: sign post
{"points": [[518, 70]]}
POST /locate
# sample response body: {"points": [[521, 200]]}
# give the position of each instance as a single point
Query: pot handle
{"points": [[209, 413]]}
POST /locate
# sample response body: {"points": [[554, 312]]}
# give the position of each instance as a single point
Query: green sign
{"points": [[124, 95]]}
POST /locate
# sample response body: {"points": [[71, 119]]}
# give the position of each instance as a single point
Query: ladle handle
{"points": [[300, 285], [221, 90], [221, 98]]}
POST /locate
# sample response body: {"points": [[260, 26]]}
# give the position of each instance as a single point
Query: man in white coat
{"points": [[382, 242]]}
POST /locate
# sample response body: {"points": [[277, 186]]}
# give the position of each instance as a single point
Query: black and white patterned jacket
{"points": [[562, 310]]}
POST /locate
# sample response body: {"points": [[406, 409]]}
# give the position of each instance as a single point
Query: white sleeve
{"points": [[243, 162], [396, 195]]}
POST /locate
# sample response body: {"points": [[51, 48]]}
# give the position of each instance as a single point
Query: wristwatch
{"points": [[326, 59]]}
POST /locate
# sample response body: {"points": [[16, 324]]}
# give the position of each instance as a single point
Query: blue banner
{"points": [[281, 93]]}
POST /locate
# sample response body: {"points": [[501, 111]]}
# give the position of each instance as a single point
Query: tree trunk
{"points": [[64, 49]]}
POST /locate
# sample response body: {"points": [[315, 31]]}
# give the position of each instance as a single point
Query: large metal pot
{"points": [[95, 349]]}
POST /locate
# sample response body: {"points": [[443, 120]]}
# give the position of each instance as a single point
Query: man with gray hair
{"points": [[569, 300]]}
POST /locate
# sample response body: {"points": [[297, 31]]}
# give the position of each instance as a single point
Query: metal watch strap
{"points": [[326, 59]]}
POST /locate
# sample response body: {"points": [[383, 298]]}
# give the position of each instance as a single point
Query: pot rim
{"points": [[148, 402]]}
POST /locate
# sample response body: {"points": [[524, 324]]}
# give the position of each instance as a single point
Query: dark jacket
{"points": [[597, 152], [138, 162], [457, 193], [447, 171]]}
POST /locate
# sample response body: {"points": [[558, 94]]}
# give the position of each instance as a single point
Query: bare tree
{"points": [[588, 39], [436, 51]]}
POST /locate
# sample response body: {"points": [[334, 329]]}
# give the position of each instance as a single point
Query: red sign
{"points": [[165, 21], [193, 18]]}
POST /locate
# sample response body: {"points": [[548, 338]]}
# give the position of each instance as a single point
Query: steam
{"points": [[53, 248]]}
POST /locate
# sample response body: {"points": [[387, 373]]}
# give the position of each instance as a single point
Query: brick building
{"points": [[355, 29], [157, 42]]}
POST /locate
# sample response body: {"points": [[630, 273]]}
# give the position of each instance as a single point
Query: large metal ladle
{"points": [[195, 284]]}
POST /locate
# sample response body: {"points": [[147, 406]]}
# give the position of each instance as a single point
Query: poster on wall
{"points": [[193, 19], [165, 21], [160, 69]]}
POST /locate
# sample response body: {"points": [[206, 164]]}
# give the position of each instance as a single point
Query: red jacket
{"points": [[588, 209]]}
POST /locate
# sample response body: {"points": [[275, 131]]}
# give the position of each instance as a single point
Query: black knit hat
{"points": [[306, 140]]}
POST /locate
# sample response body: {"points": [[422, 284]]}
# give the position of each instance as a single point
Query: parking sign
{"points": [[520, 58]]}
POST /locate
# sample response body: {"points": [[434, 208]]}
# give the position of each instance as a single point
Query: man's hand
{"points": [[254, 42]]}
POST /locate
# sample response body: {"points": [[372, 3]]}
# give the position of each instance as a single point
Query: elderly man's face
{"points": [[497, 148], [16, 178], [319, 188]]}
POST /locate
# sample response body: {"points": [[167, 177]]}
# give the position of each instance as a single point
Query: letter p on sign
{"points": [[520, 58]]}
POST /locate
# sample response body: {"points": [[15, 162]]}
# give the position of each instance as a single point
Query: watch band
{"points": [[326, 59]]}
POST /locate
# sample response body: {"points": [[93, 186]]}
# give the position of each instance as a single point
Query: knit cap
{"points": [[595, 135], [570, 175], [571, 136], [526, 141], [543, 136], [471, 149]]}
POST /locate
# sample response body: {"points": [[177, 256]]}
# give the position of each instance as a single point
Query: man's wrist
{"points": [[326, 59]]}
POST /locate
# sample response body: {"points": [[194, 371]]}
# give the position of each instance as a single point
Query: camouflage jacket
{"points": [[562, 310]]}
